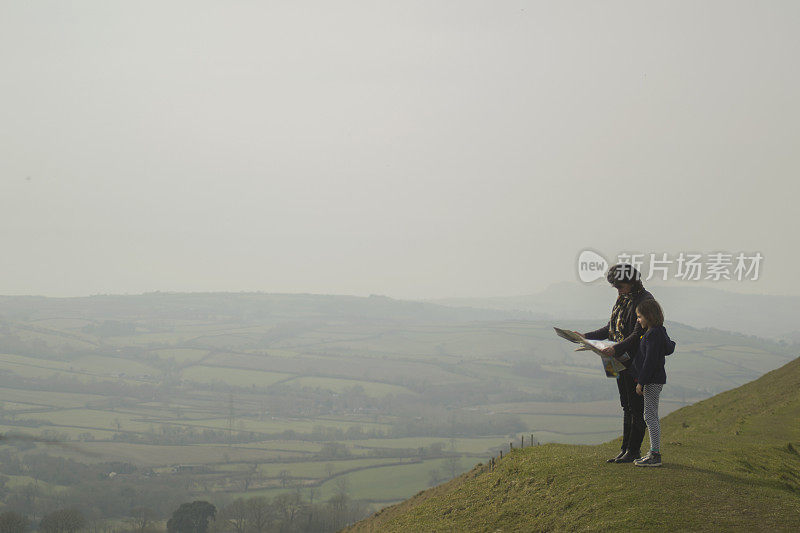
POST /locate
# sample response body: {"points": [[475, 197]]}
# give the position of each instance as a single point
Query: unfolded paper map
{"points": [[611, 365]]}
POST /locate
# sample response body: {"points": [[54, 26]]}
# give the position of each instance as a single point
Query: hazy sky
{"points": [[413, 149]]}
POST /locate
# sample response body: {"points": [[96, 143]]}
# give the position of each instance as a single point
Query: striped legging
{"points": [[651, 393]]}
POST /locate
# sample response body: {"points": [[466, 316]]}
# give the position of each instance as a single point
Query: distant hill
{"points": [[521, 345], [753, 314], [766, 316], [731, 462], [244, 306]]}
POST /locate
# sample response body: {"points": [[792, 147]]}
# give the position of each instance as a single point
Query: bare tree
{"points": [[63, 521], [12, 522], [435, 477], [141, 517], [289, 506], [342, 485], [260, 514], [452, 465], [236, 514]]}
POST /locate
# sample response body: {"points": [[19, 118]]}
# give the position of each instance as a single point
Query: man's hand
{"points": [[608, 351], [639, 389]]}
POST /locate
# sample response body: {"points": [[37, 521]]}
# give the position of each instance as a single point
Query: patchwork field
{"points": [[240, 395]]}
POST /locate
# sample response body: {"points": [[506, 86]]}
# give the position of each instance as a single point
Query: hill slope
{"points": [[730, 462]]}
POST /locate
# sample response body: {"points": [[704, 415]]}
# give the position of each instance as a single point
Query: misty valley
{"points": [[294, 412]]}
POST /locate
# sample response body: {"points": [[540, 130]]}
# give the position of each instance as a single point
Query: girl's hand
{"points": [[608, 351], [639, 389]]}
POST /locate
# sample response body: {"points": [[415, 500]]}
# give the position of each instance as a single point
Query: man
{"points": [[623, 329]]}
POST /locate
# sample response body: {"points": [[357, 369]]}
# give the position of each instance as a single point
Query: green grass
{"points": [[155, 455], [596, 408], [575, 438], [100, 365], [11, 361], [370, 388], [730, 463], [21, 481], [181, 355], [389, 482], [232, 376], [476, 445], [282, 353], [61, 323], [71, 433], [319, 469], [571, 424], [294, 445], [277, 425], [50, 398], [84, 369], [375, 483], [91, 418]]}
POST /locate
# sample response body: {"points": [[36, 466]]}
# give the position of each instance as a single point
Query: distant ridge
{"points": [[766, 316], [731, 462], [762, 315], [246, 306]]}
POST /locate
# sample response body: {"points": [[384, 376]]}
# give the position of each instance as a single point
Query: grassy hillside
{"points": [[730, 462]]}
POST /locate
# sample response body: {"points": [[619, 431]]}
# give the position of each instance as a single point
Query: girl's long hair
{"points": [[652, 313]]}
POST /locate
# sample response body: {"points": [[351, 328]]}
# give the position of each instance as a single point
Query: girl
{"points": [[654, 345]]}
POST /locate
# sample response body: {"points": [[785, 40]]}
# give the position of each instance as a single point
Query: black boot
{"points": [[614, 459], [629, 456]]}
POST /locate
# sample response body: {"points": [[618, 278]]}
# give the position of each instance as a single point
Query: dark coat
{"points": [[654, 345]]}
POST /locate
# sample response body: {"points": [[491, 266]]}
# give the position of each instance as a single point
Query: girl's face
{"points": [[641, 320]]}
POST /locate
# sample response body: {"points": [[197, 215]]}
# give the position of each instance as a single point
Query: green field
{"points": [[341, 385], [268, 394], [181, 355], [232, 376], [390, 483]]}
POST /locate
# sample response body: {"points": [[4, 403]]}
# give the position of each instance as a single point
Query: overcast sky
{"points": [[412, 149]]}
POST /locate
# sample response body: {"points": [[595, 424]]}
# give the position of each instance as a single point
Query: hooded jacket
{"points": [[654, 345]]}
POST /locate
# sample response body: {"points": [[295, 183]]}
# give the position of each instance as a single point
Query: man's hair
{"points": [[652, 312], [624, 273]]}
